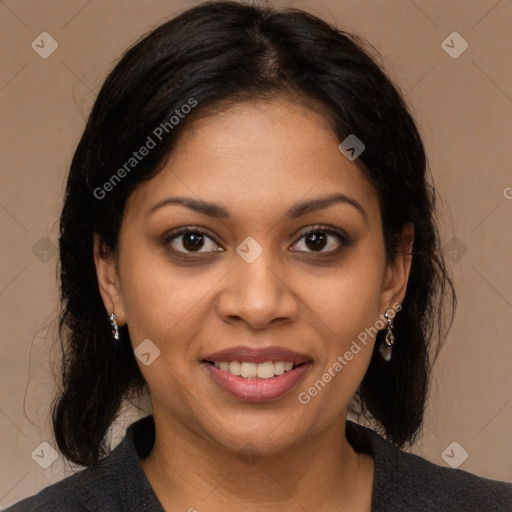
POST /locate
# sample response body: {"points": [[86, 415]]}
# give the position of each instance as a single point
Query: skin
{"points": [[256, 160]]}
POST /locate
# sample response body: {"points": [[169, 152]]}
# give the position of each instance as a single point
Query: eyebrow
{"points": [[299, 209]]}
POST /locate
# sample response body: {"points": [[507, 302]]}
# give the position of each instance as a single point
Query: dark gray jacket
{"points": [[403, 482]]}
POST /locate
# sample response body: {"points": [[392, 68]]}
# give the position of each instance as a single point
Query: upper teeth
{"points": [[251, 370]]}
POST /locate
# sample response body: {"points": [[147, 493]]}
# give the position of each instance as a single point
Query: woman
{"points": [[248, 235]]}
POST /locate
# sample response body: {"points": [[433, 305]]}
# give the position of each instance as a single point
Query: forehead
{"points": [[258, 155]]}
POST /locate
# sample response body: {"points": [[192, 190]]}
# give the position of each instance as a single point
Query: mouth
{"points": [[250, 370], [257, 375]]}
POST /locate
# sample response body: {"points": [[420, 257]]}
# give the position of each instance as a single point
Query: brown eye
{"points": [[318, 239], [191, 240]]}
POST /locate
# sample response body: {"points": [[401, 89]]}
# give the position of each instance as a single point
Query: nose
{"points": [[258, 293]]}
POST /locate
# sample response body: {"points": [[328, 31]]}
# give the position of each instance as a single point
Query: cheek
{"points": [[161, 302], [349, 300], [347, 306]]}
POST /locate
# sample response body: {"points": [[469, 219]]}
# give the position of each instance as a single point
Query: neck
{"points": [[191, 472]]}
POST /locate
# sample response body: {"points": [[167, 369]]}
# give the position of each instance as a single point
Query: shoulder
{"points": [[65, 495], [404, 481], [441, 488], [117, 482]]}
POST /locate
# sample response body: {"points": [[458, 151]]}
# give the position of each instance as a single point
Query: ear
{"points": [[397, 271], [108, 280]]}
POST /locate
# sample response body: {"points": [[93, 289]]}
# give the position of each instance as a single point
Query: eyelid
{"points": [[325, 229], [345, 239], [167, 238]]}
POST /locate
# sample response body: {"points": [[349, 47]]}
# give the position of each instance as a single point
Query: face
{"points": [[275, 274]]}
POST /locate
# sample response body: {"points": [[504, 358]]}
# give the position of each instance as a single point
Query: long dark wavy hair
{"points": [[227, 51]]}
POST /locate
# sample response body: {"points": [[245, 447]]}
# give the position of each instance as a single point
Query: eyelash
{"points": [[341, 235]]}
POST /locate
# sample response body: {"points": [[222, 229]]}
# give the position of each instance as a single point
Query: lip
{"points": [[255, 389], [246, 354]]}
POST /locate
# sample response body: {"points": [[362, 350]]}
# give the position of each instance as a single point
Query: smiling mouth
{"points": [[249, 370]]}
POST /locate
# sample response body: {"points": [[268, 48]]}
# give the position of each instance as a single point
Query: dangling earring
{"points": [[386, 347], [114, 327]]}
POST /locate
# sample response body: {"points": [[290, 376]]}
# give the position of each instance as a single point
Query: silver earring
{"points": [[386, 347], [114, 327]]}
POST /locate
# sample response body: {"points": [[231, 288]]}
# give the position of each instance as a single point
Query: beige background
{"points": [[464, 107]]}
